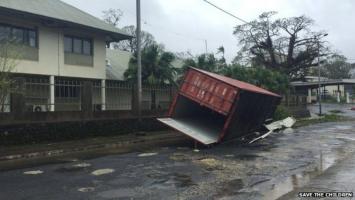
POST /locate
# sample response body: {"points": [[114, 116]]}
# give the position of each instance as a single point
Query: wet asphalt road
{"points": [[328, 107], [268, 169]]}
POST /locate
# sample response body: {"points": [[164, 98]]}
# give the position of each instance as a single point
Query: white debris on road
{"points": [[82, 165], [86, 189], [147, 154], [100, 172], [285, 123], [36, 172]]}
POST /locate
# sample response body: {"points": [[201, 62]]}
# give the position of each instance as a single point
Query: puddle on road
{"points": [[343, 127], [299, 180], [230, 188]]}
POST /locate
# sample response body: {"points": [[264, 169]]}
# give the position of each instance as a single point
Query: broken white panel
{"points": [[285, 123]]}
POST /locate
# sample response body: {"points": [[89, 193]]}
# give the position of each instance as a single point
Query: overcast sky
{"points": [[183, 25]]}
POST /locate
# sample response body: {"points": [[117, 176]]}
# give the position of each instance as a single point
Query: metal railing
{"points": [[36, 93], [68, 95], [119, 95]]}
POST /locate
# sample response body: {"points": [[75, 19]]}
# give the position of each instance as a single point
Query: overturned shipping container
{"points": [[211, 108]]}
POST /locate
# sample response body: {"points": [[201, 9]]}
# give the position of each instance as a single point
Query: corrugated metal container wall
{"points": [[210, 107], [208, 91]]}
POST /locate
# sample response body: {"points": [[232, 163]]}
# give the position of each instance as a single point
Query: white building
{"points": [[60, 47]]}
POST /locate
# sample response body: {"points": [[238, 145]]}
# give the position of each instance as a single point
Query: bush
{"points": [[281, 112]]}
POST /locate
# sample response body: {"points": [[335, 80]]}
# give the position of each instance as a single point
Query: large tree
{"points": [[147, 39], [156, 66], [287, 44], [113, 17], [336, 67]]}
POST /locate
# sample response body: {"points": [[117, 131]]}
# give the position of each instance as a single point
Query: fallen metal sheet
{"points": [[287, 123], [196, 129]]}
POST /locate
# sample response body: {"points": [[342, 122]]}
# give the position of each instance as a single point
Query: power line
{"points": [[145, 22], [228, 13]]}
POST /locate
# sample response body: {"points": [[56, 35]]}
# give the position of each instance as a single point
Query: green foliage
{"points": [[265, 78], [281, 112], [206, 62], [336, 67], [156, 66]]}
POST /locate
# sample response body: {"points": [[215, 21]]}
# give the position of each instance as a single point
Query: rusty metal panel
{"points": [[236, 83], [208, 91]]}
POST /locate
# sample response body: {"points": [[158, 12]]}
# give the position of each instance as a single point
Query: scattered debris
{"points": [[82, 165], [87, 189], [100, 172], [285, 123], [147, 154], [210, 163], [36, 172]]}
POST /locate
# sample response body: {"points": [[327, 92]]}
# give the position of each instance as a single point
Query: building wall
{"points": [[51, 52]]}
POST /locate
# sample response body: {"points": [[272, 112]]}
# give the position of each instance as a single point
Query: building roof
{"points": [[63, 12], [324, 82], [117, 63], [239, 84]]}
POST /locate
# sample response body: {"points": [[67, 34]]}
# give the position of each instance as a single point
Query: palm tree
{"points": [[156, 69], [156, 66]]}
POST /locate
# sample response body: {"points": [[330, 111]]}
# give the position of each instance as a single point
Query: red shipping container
{"points": [[210, 107]]}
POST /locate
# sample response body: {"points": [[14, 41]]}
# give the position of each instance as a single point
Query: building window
{"points": [[77, 45], [18, 35]]}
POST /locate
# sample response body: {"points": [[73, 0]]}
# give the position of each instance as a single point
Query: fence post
{"points": [[17, 99], [52, 93], [134, 99], [103, 94], [86, 97]]}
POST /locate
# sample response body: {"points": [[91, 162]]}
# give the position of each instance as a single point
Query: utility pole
{"points": [[139, 61], [206, 46], [319, 85], [319, 82]]}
